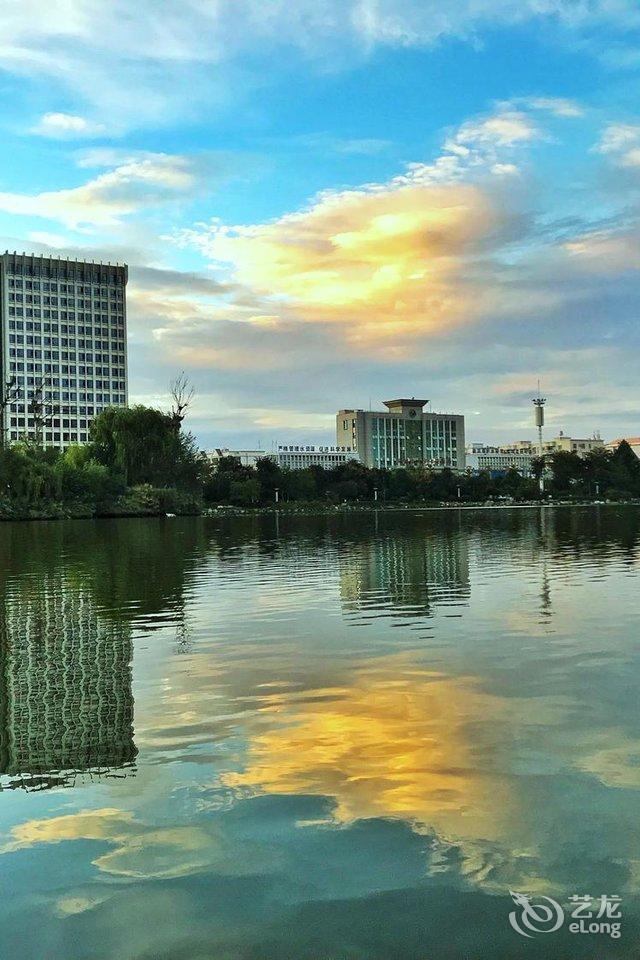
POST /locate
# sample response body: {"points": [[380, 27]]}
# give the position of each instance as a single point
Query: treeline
{"points": [[140, 461], [600, 474]]}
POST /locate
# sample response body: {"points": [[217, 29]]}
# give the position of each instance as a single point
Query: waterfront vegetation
{"points": [[140, 461]]}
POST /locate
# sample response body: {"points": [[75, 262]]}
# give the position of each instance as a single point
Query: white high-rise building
{"points": [[63, 345]]}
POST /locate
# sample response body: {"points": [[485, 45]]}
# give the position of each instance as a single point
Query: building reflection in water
{"points": [[71, 597], [66, 704], [406, 575]]}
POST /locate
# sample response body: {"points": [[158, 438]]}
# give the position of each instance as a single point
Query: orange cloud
{"points": [[384, 262], [389, 745]]}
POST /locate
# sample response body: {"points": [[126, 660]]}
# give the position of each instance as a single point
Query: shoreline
{"points": [[292, 510], [336, 509]]}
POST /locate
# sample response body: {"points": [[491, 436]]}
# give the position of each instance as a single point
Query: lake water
{"points": [[319, 738]]}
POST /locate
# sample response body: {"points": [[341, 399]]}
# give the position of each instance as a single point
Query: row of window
{"points": [[33, 313], [18, 353], [54, 437], [48, 368], [82, 303], [66, 410], [72, 398], [18, 368], [82, 382], [36, 324], [52, 424], [286, 459], [52, 286], [46, 340]]}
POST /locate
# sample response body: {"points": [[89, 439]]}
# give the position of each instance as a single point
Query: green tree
{"points": [[244, 493], [145, 446], [270, 478], [568, 471]]}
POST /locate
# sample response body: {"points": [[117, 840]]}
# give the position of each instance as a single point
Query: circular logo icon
{"points": [[544, 916], [412, 413]]}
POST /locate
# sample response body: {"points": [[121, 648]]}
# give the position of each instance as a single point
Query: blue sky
{"points": [[325, 203]]}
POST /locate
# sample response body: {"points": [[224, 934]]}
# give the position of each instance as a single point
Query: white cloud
{"points": [[54, 240], [558, 106], [134, 66], [483, 144], [504, 129], [621, 141], [66, 126], [138, 182]]}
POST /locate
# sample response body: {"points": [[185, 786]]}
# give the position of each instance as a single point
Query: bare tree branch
{"points": [[41, 409], [10, 393], [182, 393]]}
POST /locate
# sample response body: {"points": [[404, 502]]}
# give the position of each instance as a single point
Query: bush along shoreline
{"points": [[139, 462]]}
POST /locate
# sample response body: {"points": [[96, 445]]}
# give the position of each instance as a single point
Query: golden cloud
{"points": [[387, 746], [384, 262]]}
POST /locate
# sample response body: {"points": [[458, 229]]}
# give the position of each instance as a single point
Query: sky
{"points": [[330, 203]]}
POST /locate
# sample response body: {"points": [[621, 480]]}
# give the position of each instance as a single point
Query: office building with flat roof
{"points": [[561, 443], [300, 456], [63, 346], [404, 435], [482, 457]]}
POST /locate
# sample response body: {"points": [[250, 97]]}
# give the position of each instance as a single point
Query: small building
{"points": [[248, 458], [481, 457], [560, 443], [573, 445], [300, 456], [634, 443], [403, 435]]}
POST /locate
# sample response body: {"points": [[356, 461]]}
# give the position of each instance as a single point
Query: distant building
{"points": [[248, 458], [634, 443], [572, 445], [63, 342], [559, 443], [403, 435], [298, 457], [480, 458]]}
